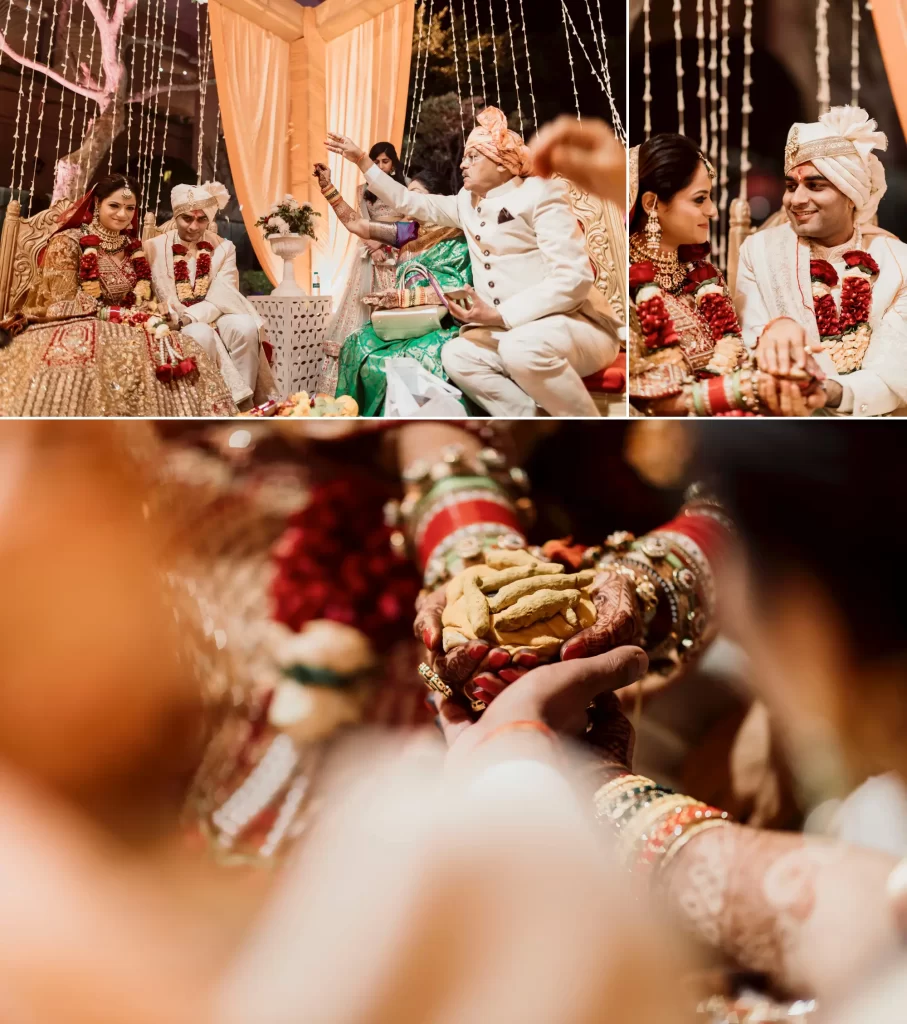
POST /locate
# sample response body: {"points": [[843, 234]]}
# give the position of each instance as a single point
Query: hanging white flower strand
{"points": [[823, 96], [746, 104], [855, 53], [647, 69], [678, 69], [701, 93]]}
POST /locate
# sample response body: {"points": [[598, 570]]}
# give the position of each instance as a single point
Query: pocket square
{"points": [[504, 216]]}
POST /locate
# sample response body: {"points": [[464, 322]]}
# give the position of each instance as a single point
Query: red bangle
{"points": [[691, 815], [456, 516], [718, 397], [704, 530]]}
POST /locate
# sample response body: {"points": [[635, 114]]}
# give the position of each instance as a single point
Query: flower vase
{"points": [[288, 247]]}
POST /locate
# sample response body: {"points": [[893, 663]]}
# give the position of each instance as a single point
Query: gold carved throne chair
{"points": [[21, 240], [605, 232]]}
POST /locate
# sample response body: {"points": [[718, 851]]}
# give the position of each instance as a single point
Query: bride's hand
{"points": [[469, 666], [345, 147], [323, 174]]}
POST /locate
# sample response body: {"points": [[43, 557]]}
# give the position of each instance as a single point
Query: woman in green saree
{"points": [[430, 262]]}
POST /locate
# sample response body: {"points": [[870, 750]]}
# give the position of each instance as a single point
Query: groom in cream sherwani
{"points": [[222, 320], [833, 185]]}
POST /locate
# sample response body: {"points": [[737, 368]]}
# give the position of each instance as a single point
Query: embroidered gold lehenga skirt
{"points": [[89, 367]]}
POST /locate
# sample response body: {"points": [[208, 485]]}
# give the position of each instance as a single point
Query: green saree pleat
{"points": [[361, 373]]}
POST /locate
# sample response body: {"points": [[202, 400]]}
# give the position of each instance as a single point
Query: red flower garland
{"points": [[657, 327], [90, 274], [856, 307], [715, 307], [197, 292], [334, 561]]}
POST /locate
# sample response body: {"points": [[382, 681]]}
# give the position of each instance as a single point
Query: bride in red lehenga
{"points": [[89, 340]]}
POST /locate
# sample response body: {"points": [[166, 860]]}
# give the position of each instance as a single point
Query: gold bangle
{"points": [[688, 833], [608, 790], [641, 823]]}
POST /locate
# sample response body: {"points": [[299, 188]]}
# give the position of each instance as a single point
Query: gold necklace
{"points": [[670, 273], [111, 241]]}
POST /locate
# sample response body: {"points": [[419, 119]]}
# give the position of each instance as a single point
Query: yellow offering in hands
{"points": [[517, 601]]}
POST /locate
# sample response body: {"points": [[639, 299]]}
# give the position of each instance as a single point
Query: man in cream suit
{"points": [[209, 307], [534, 324]]}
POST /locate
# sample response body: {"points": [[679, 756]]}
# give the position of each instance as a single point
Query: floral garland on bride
{"points": [[186, 292], [705, 285], [845, 335], [90, 273]]}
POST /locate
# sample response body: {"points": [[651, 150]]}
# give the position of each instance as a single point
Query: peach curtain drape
{"points": [[252, 67], [285, 75], [891, 28], [369, 106]]}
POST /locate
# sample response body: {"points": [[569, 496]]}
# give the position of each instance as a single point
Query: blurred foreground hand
{"points": [[586, 153]]}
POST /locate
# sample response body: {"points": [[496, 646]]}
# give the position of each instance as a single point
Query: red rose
{"points": [[641, 273], [693, 253], [188, 366], [822, 270], [827, 317], [857, 258], [133, 245], [180, 272], [164, 373], [89, 241], [179, 250], [205, 247]]}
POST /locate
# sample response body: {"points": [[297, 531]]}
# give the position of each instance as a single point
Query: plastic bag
{"points": [[414, 393]]}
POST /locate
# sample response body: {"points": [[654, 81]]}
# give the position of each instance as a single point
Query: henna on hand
{"points": [[619, 619]]}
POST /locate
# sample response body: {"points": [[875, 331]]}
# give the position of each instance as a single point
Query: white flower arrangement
{"points": [[287, 217]]}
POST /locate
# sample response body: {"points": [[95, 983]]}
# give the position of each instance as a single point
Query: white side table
{"points": [[296, 327]]}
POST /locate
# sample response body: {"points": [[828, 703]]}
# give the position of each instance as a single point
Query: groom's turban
{"points": [[492, 138], [210, 197], [840, 145]]}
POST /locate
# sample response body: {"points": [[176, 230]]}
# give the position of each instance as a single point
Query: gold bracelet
{"points": [[682, 840], [639, 826]]}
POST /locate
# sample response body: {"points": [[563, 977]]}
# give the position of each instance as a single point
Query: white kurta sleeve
{"points": [[880, 385], [748, 299], [569, 278], [427, 209]]}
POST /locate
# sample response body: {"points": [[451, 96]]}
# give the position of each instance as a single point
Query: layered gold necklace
{"points": [[670, 273], [111, 241]]}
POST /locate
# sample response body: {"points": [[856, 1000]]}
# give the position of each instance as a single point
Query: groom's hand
{"points": [[480, 312], [783, 350]]}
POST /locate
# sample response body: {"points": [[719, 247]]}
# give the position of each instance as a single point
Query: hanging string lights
{"points": [[746, 106], [63, 96], [142, 150], [160, 177], [472, 90], [565, 14], [823, 96], [494, 51], [475, 5], [418, 105], [678, 68], [19, 102], [31, 88], [72, 120], [602, 47], [535, 120], [516, 77], [419, 51], [723, 156], [855, 53], [204, 63], [647, 68], [453, 37], [701, 92]]}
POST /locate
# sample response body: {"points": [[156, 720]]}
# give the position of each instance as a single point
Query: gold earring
{"points": [[653, 232]]}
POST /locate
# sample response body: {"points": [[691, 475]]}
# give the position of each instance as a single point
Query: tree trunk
{"points": [[75, 170]]}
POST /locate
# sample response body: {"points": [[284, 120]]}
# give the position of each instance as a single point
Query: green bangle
{"points": [[698, 403]]}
